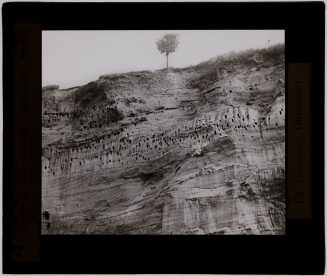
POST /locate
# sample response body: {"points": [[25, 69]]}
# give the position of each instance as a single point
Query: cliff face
{"points": [[198, 150]]}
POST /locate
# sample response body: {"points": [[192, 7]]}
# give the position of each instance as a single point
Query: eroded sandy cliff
{"points": [[197, 150]]}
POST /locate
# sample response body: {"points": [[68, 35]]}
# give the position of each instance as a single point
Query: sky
{"points": [[73, 58]]}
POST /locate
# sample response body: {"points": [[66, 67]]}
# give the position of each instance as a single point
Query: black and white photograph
{"points": [[163, 132]]}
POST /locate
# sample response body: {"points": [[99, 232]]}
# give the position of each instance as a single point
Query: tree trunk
{"points": [[167, 60]]}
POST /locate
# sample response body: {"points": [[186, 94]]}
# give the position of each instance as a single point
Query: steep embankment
{"points": [[197, 150]]}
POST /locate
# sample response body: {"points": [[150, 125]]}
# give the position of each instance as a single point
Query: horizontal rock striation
{"points": [[184, 151]]}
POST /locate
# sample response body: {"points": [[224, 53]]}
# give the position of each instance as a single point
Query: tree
{"points": [[168, 44]]}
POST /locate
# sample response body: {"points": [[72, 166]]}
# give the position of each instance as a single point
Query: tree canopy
{"points": [[168, 44]]}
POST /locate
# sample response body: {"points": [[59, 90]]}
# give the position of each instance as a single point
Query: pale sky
{"points": [[73, 58]]}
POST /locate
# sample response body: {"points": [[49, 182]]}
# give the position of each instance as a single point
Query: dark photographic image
{"points": [[170, 132]]}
